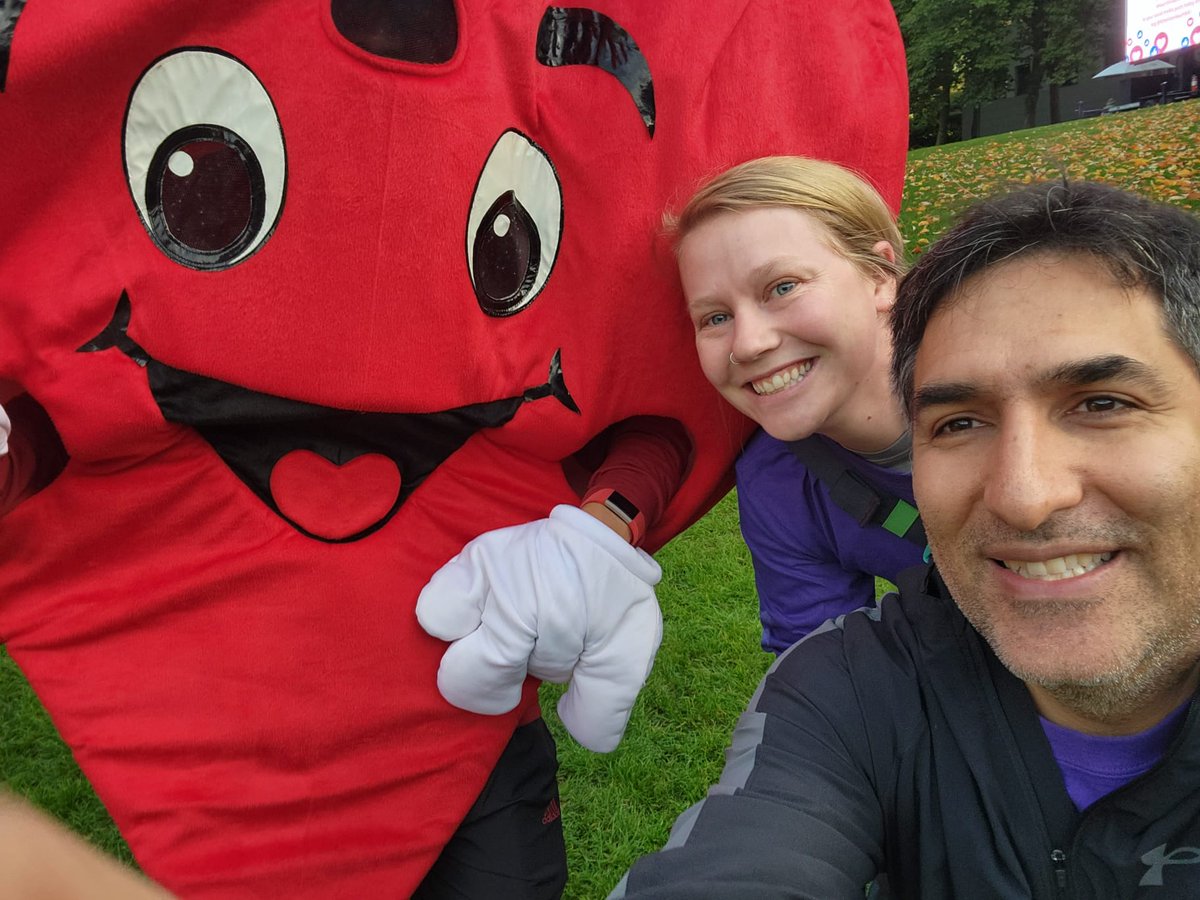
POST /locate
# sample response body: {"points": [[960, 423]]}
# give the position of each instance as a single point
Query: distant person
{"points": [[1020, 721], [789, 267]]}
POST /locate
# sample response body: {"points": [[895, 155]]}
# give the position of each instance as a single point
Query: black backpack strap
{"points": [[853, 494]]}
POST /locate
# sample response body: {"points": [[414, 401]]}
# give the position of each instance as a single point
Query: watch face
{"points": [[619, 504]]}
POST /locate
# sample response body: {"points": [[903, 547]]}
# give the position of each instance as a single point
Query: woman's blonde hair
{"points": [[852, 211]]}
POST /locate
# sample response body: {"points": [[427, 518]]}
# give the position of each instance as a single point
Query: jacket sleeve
{"points": [[795, 814]]}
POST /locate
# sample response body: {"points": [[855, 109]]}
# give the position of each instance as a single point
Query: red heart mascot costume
{"points": [[301, 298]]}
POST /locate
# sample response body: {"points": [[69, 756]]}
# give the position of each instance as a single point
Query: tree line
{"points": [[961, 53]]}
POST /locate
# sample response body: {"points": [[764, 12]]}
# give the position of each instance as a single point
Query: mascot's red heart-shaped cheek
{"points": [[332, 501]]}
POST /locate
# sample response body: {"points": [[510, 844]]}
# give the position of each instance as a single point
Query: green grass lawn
{"points": [[1152, 151], [620, 805]]}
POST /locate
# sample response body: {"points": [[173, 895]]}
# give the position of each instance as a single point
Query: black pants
{"points": [[510, 845]]}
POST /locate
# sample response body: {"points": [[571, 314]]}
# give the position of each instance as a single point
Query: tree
{"points": [[964, 52], [931, 56], [1061, 38], [955, 50]]}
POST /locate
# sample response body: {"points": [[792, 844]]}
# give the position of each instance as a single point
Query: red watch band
{"points": [[620, 506]]}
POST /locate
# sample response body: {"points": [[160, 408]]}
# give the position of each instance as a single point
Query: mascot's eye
{"points": [[204, 158], [514, 227]]}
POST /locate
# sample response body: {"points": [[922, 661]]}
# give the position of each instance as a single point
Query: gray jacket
{"points": [[893, 741]]}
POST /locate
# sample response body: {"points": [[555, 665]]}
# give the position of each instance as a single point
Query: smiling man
{"points": [[1062, 473], [1018, 721]]}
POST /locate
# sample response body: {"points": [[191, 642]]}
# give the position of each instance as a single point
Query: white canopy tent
{"points": [[1124, 67]]}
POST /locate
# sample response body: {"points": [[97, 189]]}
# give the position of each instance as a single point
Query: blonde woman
{"points": [[789, 267]]}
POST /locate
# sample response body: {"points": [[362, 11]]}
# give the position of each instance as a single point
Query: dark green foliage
{"points": [[961, 55]]}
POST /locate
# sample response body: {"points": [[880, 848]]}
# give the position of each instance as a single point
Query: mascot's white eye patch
{"points": [[514, 226], [204, 158]]}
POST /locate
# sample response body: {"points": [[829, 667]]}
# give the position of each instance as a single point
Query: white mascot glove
{"points": [[562, 599], [5, 428]]}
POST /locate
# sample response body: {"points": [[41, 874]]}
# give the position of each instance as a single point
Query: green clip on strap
{"points": [[857, 497], [901, 518]]}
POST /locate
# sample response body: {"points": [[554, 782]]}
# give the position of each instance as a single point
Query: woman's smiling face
{"points": [[787, 328]]}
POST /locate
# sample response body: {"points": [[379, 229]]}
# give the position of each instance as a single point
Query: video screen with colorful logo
{"points": [[1153, 27]]}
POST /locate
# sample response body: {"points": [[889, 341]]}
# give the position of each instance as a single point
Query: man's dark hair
{"points": [[1142, 244]]}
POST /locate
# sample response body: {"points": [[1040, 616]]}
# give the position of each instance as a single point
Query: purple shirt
{"points": [[1095, 765], [812, 561]]}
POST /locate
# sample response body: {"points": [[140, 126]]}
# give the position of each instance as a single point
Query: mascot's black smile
{"points": [[252, 432]]}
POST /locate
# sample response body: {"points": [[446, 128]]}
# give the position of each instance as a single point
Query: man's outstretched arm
{"points": [[794, 814]]}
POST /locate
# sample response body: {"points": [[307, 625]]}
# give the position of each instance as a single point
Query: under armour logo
{"points": [[1157, 859]]}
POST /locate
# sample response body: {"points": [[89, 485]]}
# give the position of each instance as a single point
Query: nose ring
{"points": [[733, 359]]}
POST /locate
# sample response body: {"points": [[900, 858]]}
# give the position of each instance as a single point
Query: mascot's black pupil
{"points": [[206, 195], [507, 254]]}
